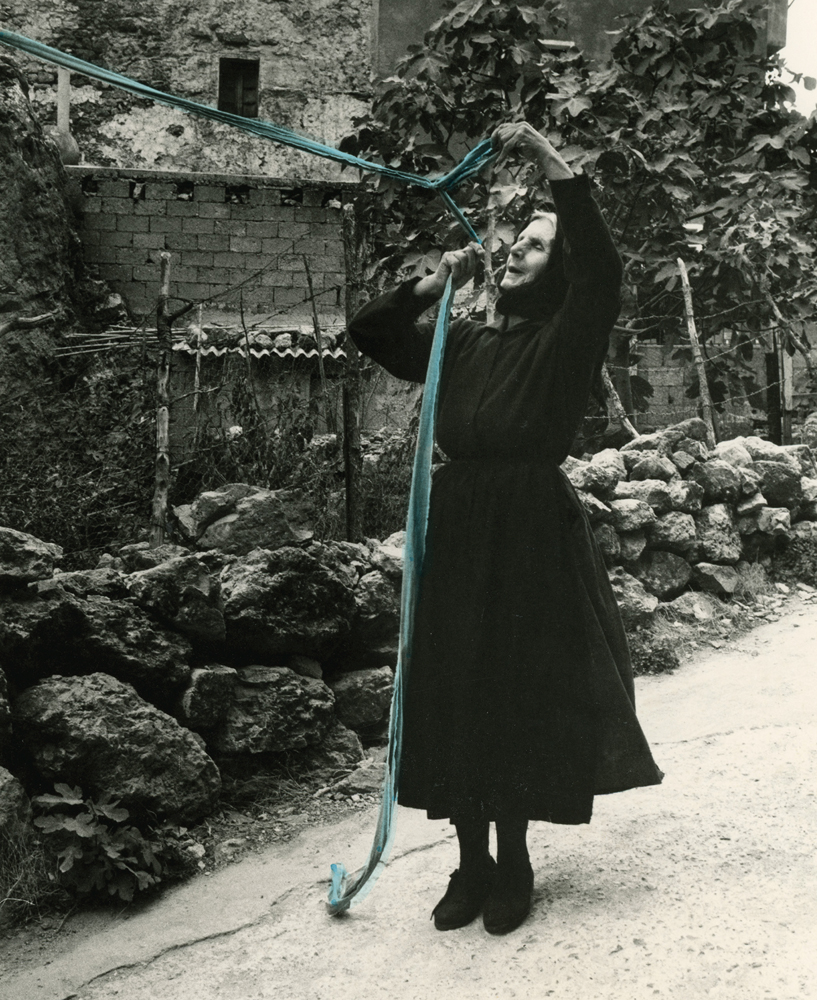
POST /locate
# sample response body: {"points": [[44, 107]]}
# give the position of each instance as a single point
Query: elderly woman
{"points": [[519, 698]]}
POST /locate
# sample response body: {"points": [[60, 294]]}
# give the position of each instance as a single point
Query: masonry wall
{"points": [[315, 75], [220, 230]]}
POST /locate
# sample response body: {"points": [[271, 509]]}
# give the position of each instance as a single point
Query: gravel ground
{"points": [[701, 888]]}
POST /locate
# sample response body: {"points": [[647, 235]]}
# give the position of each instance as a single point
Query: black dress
{"points": [[519, 694]]}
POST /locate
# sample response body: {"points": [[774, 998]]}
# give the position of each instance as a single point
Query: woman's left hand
{"points": [[522, 138]]}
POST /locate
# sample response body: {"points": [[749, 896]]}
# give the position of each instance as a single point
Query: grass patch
{"points": [[29, 889]]}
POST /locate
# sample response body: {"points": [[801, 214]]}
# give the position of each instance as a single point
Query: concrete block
{"points": [[101, 222], [130, 256], [113, 188], [117, 206], [159, 191], [229, 227], [198, 226], [115, 238], [181, 242], [213, 193], [91, 206], [277, 279], [310, 214], [292, 230], [186, 209], [149, 241], [267, 196], [244, 244], [213, 210], [215, 244], [149, 273], [249, 213], [262, 230], [192, 290], [150, 208], [289, 296], [133, 223], [225, 260], [197, 258], [165, 224], [115, 272], [275, 247]]}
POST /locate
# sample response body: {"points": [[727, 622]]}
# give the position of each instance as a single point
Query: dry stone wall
{"points": [[205, 658]]}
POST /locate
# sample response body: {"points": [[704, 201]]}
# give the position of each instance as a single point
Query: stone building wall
{"points": [[314, 75], [220, 230]]}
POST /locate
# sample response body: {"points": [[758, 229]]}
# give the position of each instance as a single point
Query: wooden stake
{"points": [[352, 452], [615, 406], [164, 334], [328, 410], [707, 409]]}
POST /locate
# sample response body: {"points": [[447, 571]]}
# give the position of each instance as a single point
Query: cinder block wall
{"points": [[219, 230]]}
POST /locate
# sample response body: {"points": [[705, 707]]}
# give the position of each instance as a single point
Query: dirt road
{"points": [[701, 888]]}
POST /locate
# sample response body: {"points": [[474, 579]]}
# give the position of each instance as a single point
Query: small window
{"points": [[238, 87]]}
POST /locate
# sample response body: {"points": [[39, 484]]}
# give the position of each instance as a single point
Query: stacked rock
{"points": [[668, 512]]}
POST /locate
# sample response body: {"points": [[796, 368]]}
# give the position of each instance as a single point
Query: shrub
{"points": [[97, 851]]}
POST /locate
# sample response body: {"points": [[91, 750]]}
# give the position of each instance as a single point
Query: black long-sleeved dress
{"points": [[519, 697]]}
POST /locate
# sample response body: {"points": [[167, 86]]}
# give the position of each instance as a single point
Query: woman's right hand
{"points": [[459, 264]]}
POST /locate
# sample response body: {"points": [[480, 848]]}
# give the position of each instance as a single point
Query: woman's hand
{"points": [[520, 138], [460, 264]]}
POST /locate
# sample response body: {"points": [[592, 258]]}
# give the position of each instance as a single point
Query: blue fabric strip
{"points": [[347, 889], [467, 168]]}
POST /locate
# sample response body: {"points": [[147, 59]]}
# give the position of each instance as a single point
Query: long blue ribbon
{"points": [[468, 167], [347, 889]]}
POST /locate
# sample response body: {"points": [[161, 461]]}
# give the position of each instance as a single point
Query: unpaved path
{"points": [[703, 887]]}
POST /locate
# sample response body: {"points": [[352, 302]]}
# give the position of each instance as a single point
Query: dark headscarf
{"points": [[543, 297]]}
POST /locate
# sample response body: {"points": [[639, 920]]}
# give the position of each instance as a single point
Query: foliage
{"points": [[76, 454], [96, 850], [28, 888], [694, 150]]}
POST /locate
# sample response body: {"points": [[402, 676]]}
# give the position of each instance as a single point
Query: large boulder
{"points": [[267, 519], [655, 492], [136, 556], [285, 602], [630, 515], [780, 484], [654, 466], [734, 452], [98, 733], [718, 536], [635, 604], [674, 532], [274, 709], [194, 518], [803, 455], [630, 545], [15, 808], [340, 749], [183, 594], [774, 521], [807, 511], [66, 635], [24, 558], [686, 496], [597, 510], [363, 697], [701, 607], [663, 574], [594, 478], [5, 717], [207, 698], [375, 631], [101, 582], [721, 482], [387, 556], [611, 460], [608, 542], [715, 578], [767, 451]]}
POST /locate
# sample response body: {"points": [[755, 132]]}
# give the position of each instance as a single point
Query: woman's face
{"points": [[529, 254]]}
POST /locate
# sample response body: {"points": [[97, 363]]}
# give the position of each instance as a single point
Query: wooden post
{"points": [[328, 410], [707, 409], [63, 100], [488, 260], [614, 404], [352, 453], [786, 389], [164, 333]]}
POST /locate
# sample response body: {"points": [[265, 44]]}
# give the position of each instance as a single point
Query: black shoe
{"points": [[510, 900], [463, 900]]}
